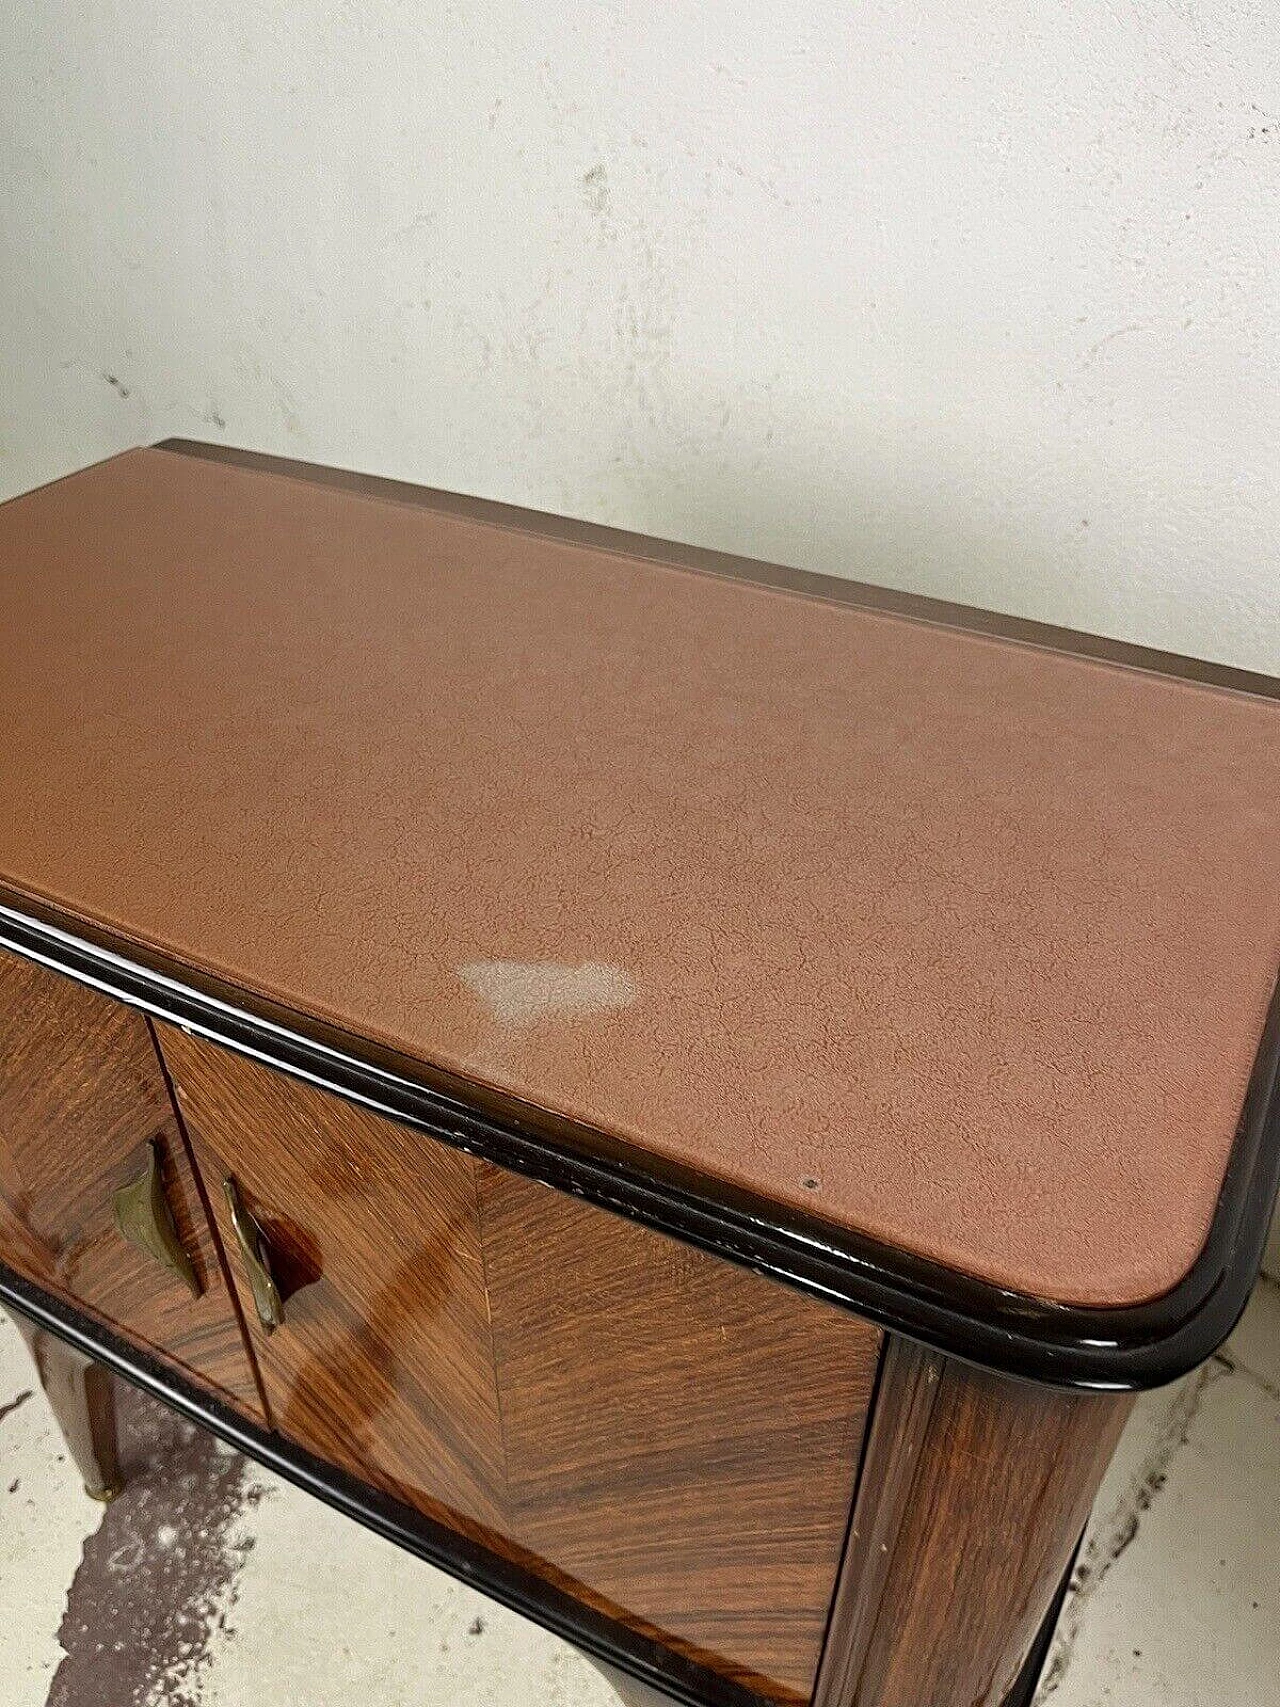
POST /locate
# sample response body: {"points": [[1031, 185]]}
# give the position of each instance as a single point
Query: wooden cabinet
{"points": [[671, 1439], [82, 1101], [679, 1449], [914, 968]]}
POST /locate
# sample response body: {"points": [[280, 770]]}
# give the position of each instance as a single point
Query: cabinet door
{"points": [[682, 1436], [670, 1439], [84, 1113], [382, 1363]]}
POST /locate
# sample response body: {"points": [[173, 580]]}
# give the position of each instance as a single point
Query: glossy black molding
{"points": [[523, 1592], [1104, 1350]]}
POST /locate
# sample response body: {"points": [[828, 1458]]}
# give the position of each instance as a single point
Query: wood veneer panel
{"points": [[384, 1364], [682, 1436], [667, 1437], [81, 1095], [974, 1491]]}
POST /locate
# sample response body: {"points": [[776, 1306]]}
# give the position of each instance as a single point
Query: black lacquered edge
{"points": [[471, 1563], [1106, 1350]]}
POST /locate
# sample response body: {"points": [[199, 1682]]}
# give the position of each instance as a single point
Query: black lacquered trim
{"points": [[520, 1590], [1135, 1346]]}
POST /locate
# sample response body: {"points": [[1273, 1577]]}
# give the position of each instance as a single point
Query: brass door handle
{"points": [[143, 1216], [257, 1259]]}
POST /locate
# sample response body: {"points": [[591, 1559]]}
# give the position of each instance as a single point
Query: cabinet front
{"points": [[668, 1438], [355, 1247], [98, 1201], [682, 1436]]}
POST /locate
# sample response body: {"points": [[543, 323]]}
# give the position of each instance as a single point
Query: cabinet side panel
{"points": [[682, 1436], [82, 1095], [973, 1493]]}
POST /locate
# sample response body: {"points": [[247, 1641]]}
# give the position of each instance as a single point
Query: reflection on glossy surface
{"points": [[383, 1365], [82, 1103], [665, 1437]]}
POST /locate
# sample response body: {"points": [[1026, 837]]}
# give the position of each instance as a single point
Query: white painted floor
{"points": [[1179, 1597], [283, 1604]]}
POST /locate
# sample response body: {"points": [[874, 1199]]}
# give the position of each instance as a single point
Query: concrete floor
{"points": [[211, 1584]]}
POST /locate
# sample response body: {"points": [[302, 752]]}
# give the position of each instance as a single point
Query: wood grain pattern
{"points": [[81, 1094], [384, 1365], [668, 1438], [682, 1436], [973, 1493], [905, 1397]]}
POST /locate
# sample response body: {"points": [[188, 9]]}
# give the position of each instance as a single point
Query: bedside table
{"points": [[685, 1093]]}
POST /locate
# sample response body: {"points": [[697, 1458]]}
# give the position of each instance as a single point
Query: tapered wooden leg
{"points": [[82, 1397]]}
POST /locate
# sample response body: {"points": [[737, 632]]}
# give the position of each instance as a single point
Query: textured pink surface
{"points": [[978, 937]]}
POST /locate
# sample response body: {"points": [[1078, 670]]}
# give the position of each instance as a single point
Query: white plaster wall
{"points": [[979, 297]]}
